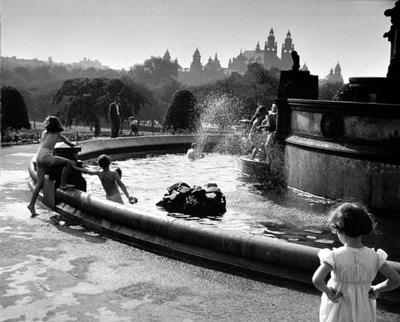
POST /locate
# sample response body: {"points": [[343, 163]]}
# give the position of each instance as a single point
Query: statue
{"points": [[393, 35], [296, 60]]}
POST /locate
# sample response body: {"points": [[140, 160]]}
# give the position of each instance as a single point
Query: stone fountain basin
{"points": [[177, 237]]}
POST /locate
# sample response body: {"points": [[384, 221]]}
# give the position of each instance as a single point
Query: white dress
{"points": [[354, 269]]}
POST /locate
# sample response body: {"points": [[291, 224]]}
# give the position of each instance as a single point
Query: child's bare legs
{"points": [[56, 162], [39, 185]]}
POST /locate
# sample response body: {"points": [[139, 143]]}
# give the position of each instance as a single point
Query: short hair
{"points": [[52, 124], [103, 161], [351, 219], [261, 110], [193, 145]]}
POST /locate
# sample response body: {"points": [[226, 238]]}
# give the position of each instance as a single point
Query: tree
{"points": [[327, 91], [182, 113], [86, 100], [14, 113], [155, 71]]}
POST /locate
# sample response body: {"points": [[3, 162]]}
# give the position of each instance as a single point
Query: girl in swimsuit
{"points": [[110, 180], [45, 158]]}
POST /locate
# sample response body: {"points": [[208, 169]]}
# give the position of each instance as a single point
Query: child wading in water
{"points": [[110, 180], [349, 296], [45, 158]]}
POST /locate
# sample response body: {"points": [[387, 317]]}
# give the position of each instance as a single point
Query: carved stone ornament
{"points": [[332, 125]]}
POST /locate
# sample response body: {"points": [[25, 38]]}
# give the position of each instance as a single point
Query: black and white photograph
{"points": [[200, 160]]}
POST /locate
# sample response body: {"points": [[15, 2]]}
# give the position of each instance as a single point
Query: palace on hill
{"points": [[268, 57]]}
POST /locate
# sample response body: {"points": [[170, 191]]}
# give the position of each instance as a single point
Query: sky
{"points": [[122, 33]]}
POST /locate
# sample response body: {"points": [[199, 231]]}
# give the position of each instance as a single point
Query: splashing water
{"points": [[220, 114]]}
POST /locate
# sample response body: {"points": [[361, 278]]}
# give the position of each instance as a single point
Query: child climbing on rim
{"points": [[110, 180], [45, 159], [349, 294]]}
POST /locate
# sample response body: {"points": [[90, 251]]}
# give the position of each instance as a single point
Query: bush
{"points": [[182, 115], [14, 113]]}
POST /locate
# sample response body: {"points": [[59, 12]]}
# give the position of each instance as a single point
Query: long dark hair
{"points": [[52, 124]]}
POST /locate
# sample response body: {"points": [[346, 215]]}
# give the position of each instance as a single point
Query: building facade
{"points": [[267, 57]]}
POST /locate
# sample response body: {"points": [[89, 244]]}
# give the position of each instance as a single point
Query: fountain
{"points": [[345, 149]]}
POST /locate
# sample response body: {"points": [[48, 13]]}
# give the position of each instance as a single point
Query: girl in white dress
{"points": [[349, 295]]}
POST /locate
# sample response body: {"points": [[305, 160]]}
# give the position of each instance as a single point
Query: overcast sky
{"points": [[122, 33]]}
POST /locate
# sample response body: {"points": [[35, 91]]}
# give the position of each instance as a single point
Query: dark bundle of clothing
{"points": [[200, 201]]}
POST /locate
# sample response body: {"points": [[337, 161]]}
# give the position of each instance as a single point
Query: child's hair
{"points": [[194, 145], [52, 124], [103, 161], [351, 219]]}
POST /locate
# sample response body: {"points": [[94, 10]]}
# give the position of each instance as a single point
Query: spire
{"points": [[304, 67], [271, 32], [338, 69], [288, 35], [167, 56]]}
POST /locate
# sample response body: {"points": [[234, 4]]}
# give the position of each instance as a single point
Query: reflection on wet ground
{"points": [[293, 216]]}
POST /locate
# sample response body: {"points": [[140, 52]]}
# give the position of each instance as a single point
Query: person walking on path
{"points": [[110, 180], [45, 159], [349, 295]]}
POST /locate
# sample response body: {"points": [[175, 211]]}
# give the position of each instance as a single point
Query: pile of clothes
{"points": [[200, 201]]}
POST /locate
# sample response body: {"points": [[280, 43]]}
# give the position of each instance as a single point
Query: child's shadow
{"points": [[69, 226]]}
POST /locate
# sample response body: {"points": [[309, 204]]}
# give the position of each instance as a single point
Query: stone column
{"points": [[293, 84]]}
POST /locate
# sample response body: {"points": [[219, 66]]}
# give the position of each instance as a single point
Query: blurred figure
{"points": [[133, 124], [193, 153]]}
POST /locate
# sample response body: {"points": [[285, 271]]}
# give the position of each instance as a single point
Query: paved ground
{"points": [[53, 271]]}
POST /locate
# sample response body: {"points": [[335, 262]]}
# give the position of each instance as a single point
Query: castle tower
{"points": [[287, 48], [258, 47], [338, 69], [271, 45], [167, 56], [338, 74], [216, 62], [270, 51], [210, 65], [196, 65]]}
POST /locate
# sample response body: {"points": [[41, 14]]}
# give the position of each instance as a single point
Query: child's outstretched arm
{"points": [[66, 141], [392, 281], [86, 171], [318, 280], [123, 188]]}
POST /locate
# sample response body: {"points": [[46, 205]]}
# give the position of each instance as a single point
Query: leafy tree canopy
{"points": [[88, 99]]}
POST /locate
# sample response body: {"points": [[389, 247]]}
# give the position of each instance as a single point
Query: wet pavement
{"points": [[54, 270]]}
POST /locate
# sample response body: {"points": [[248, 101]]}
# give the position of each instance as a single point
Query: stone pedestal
{"points": [[298, 84], [375, 89], [293, 84], [74, 177]]}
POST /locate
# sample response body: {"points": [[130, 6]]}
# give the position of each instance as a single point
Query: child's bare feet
{"points": [[32, 210]]}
